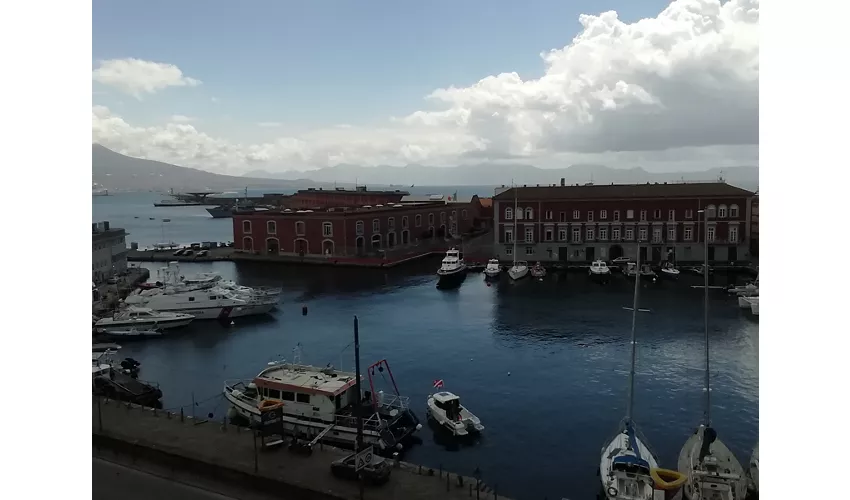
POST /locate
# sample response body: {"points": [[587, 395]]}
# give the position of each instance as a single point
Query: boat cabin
{"points": [[630, 464], [449, 403], [452, 259], [308, 391]]}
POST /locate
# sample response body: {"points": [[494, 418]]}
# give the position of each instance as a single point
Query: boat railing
{"points": [[373, 423], [231, 387], [394, 401]]}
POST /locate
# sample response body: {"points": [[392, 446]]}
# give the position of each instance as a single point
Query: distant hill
{"points": [[496, 174], [117, 172]]}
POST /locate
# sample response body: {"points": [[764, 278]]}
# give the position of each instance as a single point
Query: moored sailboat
{"points": [[519, 269]]}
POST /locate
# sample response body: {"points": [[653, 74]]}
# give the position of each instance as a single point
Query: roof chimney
{"points": [[563, 181]]}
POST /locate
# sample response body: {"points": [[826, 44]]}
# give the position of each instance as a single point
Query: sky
{"points": [[232, 87]]}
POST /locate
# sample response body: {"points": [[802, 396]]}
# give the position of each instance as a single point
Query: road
{"points": [[111, 480]]}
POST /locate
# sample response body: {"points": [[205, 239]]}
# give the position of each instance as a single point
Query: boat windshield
{"points": [[630, 465]]}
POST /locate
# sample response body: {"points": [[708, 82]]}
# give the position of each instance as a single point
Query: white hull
{"points": [[669, 273], [703, 485], [108, 324], [754, 470], [517, 273], [618, 486], [468, 423], [492, 272], [224, 312]]}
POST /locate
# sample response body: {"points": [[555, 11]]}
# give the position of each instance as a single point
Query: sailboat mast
{"points": [[705, 312], [516, 226], [634, 344]]}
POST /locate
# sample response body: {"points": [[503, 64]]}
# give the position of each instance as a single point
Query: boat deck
{"points": [[214, 446]]}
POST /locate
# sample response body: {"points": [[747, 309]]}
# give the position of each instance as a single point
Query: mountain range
{"points": [[117, 172]]}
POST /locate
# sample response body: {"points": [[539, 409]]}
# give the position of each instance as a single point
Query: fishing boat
{"points": [[445, 409], [628, 468], [599, 270], [538, 271], [493, 269], [323, 403], [452, 270], [712, 470]]}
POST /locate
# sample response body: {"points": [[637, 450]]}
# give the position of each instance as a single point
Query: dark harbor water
{"points": [[543, 364]]}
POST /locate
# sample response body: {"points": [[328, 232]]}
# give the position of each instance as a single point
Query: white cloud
{"points": [[269, 124], [680, 87], [137, 77], [182, 118]]}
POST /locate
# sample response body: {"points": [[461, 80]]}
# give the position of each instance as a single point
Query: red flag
{"points": [[438, 384]]}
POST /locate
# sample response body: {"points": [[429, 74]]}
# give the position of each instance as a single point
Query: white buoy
{"points": [[509, 374], [232, 322]]}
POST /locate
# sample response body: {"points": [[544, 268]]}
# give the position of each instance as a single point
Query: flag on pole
{"points": [[438, 384]]}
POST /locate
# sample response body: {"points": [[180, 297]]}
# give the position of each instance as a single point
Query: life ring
{"points": [[612, 491], [666, 479]]}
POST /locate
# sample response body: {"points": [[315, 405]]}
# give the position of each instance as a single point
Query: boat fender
{"points": [[612, 491], [666, 479]]}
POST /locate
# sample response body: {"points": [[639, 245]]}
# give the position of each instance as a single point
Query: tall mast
{"points": [[705, 273], [516, 226], [634, 345]]}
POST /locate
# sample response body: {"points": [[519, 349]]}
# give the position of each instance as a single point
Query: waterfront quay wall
{"points": [[225, 452]]}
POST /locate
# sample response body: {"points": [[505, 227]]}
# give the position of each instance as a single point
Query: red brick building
{"points": [[351, 231], [318, 198], [588, 222]]}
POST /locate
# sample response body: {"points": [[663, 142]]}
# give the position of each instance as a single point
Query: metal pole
{"points": [[634, 345], [99, 416], [256, 457], [359, 396], [193, 405], [705, 271]]}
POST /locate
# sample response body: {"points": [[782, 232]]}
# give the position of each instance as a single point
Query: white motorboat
{"points": [[493, 269], [754, 305], [645, 273], [713, 472], [133, 333], [599, 270], [171, 278], [445, 409], [317, 400], [753, 471], [519, 269], [668, 271], [628, 469], [538, 271], [452, 270], [144, 318], [211, 303]]}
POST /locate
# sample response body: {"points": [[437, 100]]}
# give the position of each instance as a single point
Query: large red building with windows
{"points": [[316, 198], [583, 223], [349, 231]]}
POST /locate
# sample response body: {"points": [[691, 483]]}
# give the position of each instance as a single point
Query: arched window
{"points": [[529, 213], [300, 228], [246, 226], [359, 227], [271, 227], [519, 213], [721, 211], [733, 211]]}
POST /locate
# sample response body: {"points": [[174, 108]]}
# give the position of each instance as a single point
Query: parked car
{"points": [[621, 260], [203, 253], [188, 252], [179, 252], [377, 472]]}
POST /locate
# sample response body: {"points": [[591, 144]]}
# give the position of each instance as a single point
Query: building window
{"points": [[643, 215], [509, 250], [656, 235], [509, 236], [391, 224], [562, 235], [271, 227], [418, 220], [671, 234], [431, 219], [733, 211], [359, 227], [529, 250], [576, 215], [442, 217], [630, 214], [630, 233], [689, 233], [576, 234], [529, 234], [454, 215], [327, 229], [603, 233], [689, 213], [642, 234], [733, 234], [529, 213], [721, 212], [616, 215], [509, 213], [615, 234], [590, 234], [710, 233], [657, 214], [590, 215], [549, 234], [404, 222], [463, 214], [376, 225], [563, 217], [519, 213], [300, 228], [246, 226], [603, 214], [671, 215], [709, 211]]}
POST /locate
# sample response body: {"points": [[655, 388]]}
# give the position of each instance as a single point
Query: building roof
{"points": [[620, 191], [361, 190], [445, 198], [486, 202], [345, 211]]}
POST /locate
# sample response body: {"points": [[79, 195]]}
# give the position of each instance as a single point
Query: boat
{"points": [[668, 271], [177, 203], [599, 270], [133, 333], [519, 269], [753, 471], [712, 470], [452, 271], [493, 269], [210, 303], [318, 399], [445, 409], [646, 271], [754, 305], [170, 277], [120, 382], [538, 271], [142, 318], [628, 468], [98, 190]]}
